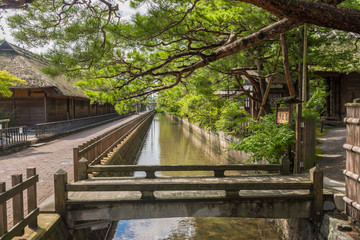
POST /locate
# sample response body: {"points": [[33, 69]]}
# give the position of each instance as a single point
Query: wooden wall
{"points": [[31, 106], [56, 109], [343, 89], [81, 108], [24, 110], [352, 172], [6, 106]]}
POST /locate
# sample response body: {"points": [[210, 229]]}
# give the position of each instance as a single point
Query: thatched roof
{"points": [[27, 66]]}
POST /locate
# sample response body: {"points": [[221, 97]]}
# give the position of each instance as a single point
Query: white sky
{"points": [[5, 32]]}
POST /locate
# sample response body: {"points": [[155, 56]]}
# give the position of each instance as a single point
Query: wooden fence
{"points": [[352, 172], [97, 148], [12, 136], [52, 128], [16, 194]]}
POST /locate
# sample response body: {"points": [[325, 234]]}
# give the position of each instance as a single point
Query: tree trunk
{"points": [[315, 12], [304, 68], [286, 64]]}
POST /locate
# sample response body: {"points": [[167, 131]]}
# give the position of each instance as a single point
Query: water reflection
{"points": [[168, 143]]}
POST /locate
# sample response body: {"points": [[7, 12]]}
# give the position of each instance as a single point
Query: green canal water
{"points": [[168, 143]]}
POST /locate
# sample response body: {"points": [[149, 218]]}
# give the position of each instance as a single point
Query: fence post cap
{"points": [[83, 160], [314, 169], [60, 172]]}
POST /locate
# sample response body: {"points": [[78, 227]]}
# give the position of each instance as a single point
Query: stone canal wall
{"points": [[217, 141]]}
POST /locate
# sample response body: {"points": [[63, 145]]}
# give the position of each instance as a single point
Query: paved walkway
{"points": [[49, 158], [333, 158]]}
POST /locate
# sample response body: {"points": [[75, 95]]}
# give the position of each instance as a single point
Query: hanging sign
{"points": [[282, 115]]}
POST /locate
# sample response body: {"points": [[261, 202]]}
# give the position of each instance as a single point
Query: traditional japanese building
{"points": [[343, 88], [278, 88], [45, 98]]}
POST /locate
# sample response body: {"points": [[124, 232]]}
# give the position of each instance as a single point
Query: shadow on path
{"points": [[332, 160]]}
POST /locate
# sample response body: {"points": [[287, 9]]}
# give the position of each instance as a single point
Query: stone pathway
{"points": [[49, 158], [333, 158]]}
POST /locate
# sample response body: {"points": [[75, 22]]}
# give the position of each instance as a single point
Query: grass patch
{"points": [[319, 133], [319, 152]]}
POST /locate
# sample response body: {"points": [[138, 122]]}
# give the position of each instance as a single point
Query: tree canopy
{"points": [[128, 60], [8, 80]]}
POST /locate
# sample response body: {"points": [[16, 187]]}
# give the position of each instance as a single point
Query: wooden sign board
{"points": [[282, 115]]}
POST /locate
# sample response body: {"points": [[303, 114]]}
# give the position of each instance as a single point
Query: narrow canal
{"points": [[168, 143]]}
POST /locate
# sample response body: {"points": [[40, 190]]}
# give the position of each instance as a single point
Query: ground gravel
{"points": [[332, 160]]}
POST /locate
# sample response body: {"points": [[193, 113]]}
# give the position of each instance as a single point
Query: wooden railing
{"points": [[16, 194], [52, 128], [4, 123], [12, 136], [97, 148]]}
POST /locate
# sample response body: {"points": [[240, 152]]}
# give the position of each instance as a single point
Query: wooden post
{"points": [[1, 138], [18, 202], [298, 160], [3, 213], [284, 166], [76, 160], [60, 181], [309, 142], [32, 196], [316, 176], [82, 169]]}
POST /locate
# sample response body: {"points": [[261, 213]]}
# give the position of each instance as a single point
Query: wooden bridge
{"points": [[227, 192]]}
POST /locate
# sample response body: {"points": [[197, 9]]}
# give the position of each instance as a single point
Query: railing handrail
{"points": [[150, 170], [92, 186], [137, 123], [12, 136], [59, 127], [85, 146], [10, 128], [18, 188], [16, 194], [219, 169], [74, 120]]}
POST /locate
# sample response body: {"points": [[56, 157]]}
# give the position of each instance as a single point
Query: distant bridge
{"points": [[90, 201]]}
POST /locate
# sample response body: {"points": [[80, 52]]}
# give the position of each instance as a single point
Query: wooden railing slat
{"points": [[31, 195], [18, 202], [12, 136], [3, 213], [17, 229], [19, 187]]}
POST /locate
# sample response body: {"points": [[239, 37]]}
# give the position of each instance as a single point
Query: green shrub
{"points": [[268, 140], [233, 119]]}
